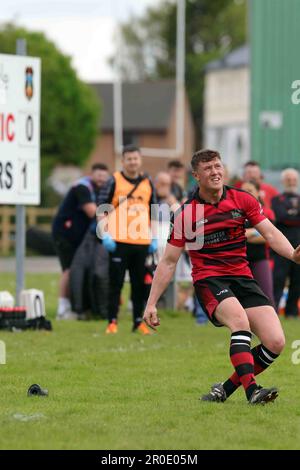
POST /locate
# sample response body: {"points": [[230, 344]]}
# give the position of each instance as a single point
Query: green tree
{"points": [[69, 108], [213, 28]]}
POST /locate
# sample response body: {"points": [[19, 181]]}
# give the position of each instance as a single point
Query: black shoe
{"points": [[217, 394], [263, 396]]}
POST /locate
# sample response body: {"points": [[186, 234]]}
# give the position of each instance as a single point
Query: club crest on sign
{"points": [[29, 82]]}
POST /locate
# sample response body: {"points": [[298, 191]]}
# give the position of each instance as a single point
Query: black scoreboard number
{"points": [[29, 128]]}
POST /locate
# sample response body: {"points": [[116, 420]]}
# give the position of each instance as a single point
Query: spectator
{"points": [[163, 187], [286, 207], [128, 238], [176, 170], [252, 172], [70, 225], [166, 200], [258, 251]]}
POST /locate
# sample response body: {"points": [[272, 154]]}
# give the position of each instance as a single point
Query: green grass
{"points": [[129, 392]]}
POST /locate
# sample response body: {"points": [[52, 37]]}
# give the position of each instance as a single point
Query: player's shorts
{"points": [[212, 290], [65, 251]]}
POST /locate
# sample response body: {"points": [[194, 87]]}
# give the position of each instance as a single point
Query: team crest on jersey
{"points": [[236, 213]]}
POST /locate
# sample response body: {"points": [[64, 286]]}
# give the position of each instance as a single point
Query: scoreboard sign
{"points": [[20, 86]]}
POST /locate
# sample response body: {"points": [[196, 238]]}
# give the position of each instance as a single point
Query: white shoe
{"points": [[64, 305], [67, 315]]}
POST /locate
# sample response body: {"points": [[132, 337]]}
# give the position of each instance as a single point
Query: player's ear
{"points": [[195, 175]]}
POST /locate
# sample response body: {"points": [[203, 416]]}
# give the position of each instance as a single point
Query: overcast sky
{"points": [[83, 29]]}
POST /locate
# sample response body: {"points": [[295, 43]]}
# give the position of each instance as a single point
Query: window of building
{"points": [[130, 138]]}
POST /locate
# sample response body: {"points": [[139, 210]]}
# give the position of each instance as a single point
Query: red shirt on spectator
{"points": [[267, 192]]}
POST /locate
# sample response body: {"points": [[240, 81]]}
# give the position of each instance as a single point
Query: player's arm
{"points": [[254, 237], [104, 200], [277, 241], [90, 209], [85, 201], [162, 277]]}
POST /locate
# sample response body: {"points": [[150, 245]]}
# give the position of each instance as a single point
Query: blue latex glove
{"points": [[108, 243], [153, 246]]}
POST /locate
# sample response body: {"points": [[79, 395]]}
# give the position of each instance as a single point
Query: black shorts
{"points": [[212, 290], [65, 251]]}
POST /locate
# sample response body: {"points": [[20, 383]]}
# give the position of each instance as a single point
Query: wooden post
{"points": [[32, 215], [5, 228]]}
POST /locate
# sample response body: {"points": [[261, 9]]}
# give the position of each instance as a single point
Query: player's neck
{"points": [[131, 175], [211, 196]]}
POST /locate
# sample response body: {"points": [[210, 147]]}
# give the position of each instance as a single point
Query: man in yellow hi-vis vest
{"points": [[126, 233]]}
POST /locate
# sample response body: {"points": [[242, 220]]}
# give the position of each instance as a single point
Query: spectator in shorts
{"points": [[70, 224]]}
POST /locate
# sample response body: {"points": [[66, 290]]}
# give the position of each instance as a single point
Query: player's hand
{"points": [[296, 255], [150, 317]]}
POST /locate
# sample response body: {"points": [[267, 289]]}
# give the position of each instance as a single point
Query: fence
{"points": [[35, 216]]}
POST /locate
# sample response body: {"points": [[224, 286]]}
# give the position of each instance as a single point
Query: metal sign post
{"points": [[21, 49], [20, 84]]}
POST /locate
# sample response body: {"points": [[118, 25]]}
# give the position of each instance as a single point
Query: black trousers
{"points": [[284, 269], [131, 257]]}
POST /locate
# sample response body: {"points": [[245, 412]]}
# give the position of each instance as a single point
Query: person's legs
{"points": [[280, 274], [136, 266], [64, 302], [65, 252], [64, 288], [265, 324], [117, 270], [262, 273], [231, 314], [224, 301], [291, 309]]}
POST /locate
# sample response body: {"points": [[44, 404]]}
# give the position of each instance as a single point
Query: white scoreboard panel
{"points": [[20, 88]]}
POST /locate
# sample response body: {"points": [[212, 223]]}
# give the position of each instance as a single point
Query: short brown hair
{"points": [[99, 166], [130, 149], [175, 164], [251, 163], [204, 156]]}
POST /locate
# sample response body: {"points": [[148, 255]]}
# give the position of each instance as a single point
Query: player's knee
{"points": [[240, 323], [277, 344]]}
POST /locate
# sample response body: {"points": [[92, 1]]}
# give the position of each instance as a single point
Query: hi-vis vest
{"points": [[130, 221]]}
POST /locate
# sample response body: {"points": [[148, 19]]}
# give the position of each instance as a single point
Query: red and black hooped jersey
{"points": [[214, 234]]}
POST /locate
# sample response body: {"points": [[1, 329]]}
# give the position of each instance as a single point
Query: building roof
{"points": [[147, 106], [237, 58]]}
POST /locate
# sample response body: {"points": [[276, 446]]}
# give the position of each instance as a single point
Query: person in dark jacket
{"points": [[70, 224], [286, 207]]}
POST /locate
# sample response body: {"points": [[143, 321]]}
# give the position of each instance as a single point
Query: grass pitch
{"points": [[133, 392]]}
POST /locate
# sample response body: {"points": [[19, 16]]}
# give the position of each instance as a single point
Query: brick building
{"points": [[149, 120]]}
